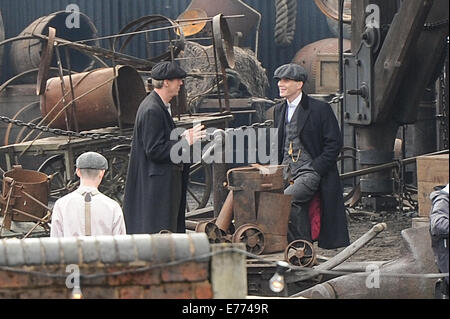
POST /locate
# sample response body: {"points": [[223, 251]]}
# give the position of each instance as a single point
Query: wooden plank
{"points": [[390, 66], [424, 190], [433, 168], [431, 171]]}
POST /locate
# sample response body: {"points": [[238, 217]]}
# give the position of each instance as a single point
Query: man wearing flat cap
{"points": [[309, 142], [155, 190], [86, 211]]}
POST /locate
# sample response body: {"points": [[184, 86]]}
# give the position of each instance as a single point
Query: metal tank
{"points": [[25, 194], [309, 55], [26, 54], [96, 99]]}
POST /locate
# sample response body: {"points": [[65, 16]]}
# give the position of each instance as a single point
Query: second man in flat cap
{"points": [[309, 142], [155, 191]]}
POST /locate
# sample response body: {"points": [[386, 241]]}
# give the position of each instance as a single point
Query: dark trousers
{"points": [[175, 197], [303, 190]]}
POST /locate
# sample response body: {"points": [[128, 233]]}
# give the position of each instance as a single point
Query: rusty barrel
{"points": [[96, 99], [26, 54], [23, 183]]}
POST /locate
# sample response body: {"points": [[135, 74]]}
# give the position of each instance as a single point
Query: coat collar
{"points": [[163, 108], [302, 116]]}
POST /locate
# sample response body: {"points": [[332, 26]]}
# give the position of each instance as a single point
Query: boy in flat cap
{"points": [[86, 211], [309, 141], [155, 191]]}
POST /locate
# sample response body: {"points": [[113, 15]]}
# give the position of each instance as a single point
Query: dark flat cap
{"points": [[92, 160], [167, 71], [291, 71]]}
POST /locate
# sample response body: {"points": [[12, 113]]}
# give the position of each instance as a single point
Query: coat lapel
{"points": [[164, 109], [303, 113], [280, 125]]}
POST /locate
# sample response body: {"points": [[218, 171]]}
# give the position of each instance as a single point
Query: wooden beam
{"points": [[425, 63], [390, 66]]}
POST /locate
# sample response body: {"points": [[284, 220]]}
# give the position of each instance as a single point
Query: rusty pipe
{"points": [[223, 221]]}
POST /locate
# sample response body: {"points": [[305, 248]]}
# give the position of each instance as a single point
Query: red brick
{"points": [[190, 271], [9, 279], [134, 292], [154, 292], [179, 290], [169, 291], [9, 293], [99, 293], [203, 290], [149, 277], [46, 293]]}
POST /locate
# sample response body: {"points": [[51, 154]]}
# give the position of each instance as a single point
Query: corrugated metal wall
{"points": [[109, 16]]}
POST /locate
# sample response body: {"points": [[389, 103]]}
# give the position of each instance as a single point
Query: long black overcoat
{"points": [[320, 134], [147, 198]]}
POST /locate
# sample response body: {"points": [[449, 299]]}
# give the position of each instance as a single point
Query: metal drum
{"points": [[96, 101], [25, 193], [26, 54], [308, 58]]}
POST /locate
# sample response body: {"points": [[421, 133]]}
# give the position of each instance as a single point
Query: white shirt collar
{"points": [[296, 101]]}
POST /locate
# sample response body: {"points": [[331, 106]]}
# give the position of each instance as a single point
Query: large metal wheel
{"points": [[199, 186], [251, 236], [60, 184], [300, 253], [114, 180]]}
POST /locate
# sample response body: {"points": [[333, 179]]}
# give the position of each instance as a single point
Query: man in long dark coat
{"points": [[155, 191], [309, 141]]}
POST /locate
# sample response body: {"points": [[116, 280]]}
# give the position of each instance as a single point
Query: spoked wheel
{"points": [[300, 253], [113, 183], [60, 184], [199, 186], [251, 236]]}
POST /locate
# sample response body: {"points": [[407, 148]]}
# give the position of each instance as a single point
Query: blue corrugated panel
{"points": [[109, 16]]}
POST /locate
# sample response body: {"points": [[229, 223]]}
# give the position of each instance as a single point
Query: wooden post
{"points": [[228, 272]]}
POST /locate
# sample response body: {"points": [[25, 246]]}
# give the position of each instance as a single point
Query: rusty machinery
{"points": [[24, 198], [258, 207], [397, 51]]}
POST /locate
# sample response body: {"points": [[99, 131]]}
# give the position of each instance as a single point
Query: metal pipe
{"points": [[387, 165], [343, 255], [226, 213]]}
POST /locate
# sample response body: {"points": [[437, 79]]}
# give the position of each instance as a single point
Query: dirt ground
{"points": [[385, 246]]}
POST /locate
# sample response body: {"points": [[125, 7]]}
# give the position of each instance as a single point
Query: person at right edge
{"points": [[309, 142], [439, 236]]}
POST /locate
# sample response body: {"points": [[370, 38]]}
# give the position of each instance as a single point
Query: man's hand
{"points": [[194, 134]]}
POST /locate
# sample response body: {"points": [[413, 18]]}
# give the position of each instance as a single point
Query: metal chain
{"points": [[97, 136], [60, 132], [336, 99], [435, 25], [443, 118]]}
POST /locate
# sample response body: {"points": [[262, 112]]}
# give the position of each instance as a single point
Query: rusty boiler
{"points": [[95, 99]]}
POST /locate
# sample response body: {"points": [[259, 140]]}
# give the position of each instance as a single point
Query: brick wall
{"points": [[111, 266]]}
